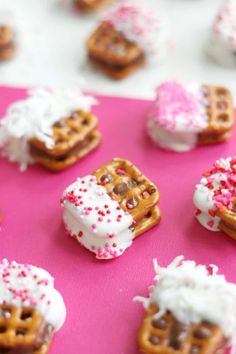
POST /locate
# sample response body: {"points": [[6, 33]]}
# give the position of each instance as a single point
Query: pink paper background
{"points": [[101, 318]]}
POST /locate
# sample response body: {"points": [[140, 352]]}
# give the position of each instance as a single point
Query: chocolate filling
{"points": [[35, 151], [138, 60], [7, 46]]}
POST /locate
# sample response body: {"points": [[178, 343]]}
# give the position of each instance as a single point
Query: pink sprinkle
{"points": [[210, 223]]}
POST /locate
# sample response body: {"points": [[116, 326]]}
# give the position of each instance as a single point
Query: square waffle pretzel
{"points": [[23, 331], [168, 336], [89, 5], [220, 111], [111, 52], [7, 45], [74, 137], [133, 191]]}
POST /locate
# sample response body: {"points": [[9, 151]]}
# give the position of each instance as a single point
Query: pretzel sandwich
{"points": [[117, 204], [53, 127], [181, 325], [31, 310], [128, 36], [185, 115]]}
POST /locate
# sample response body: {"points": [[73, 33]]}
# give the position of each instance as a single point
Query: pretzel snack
{"points": [[7, 43]]}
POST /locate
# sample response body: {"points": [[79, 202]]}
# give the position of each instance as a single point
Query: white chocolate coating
{"points": [[194, 293], [24, 285], [95, 220]]}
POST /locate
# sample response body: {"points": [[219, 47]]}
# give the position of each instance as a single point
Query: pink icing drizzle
{"points": [[176, 106]]}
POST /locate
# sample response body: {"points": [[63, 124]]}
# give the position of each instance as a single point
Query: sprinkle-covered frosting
{"points": [[178, 115], [23, 285], [194, 293], [225, 24], [141, 25], [216, 190], [95, 219], [34, 117]]}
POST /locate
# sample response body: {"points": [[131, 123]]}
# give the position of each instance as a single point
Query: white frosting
{"points": [[143, 25], [7, 18], [95, 220], [34, 117], [194, 295], [178, 115], [24, 285], [205, 200], [222, 44], [176, 141]]}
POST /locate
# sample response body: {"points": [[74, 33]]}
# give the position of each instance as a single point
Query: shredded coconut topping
{"points": [[34, 117], [141, 25], [226, 22], [217, 189], [194, 293], [23, 285], [180, 107]]}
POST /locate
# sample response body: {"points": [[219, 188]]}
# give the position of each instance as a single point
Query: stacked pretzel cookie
{"points": [[105, 211]]}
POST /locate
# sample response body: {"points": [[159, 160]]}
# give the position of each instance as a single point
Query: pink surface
{"points": [[101, 318]]}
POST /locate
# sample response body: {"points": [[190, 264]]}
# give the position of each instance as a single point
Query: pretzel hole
{"points": [[221, 93], [85, 122], [222, 105], [72, 131], [222, 118], [202, 332], [2, 329], [59, 124], [154, 340], [26, 315], [21, 331], [160, 323]]}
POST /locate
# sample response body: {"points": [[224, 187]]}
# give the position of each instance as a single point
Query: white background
{"points": [[52, 51]]}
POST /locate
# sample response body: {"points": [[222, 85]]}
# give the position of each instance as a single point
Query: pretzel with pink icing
{"points": [[215, 197], [186, 115]]}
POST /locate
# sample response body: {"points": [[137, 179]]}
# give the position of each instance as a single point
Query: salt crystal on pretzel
{"points": [[222, 44], [190, 309], [34, 117], [215, 197], [188, 114]]}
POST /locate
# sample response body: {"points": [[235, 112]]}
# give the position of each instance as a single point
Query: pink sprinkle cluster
{"points": [[226, 22], [133, 20], [174, 102], [225, 194], [14, 277]]}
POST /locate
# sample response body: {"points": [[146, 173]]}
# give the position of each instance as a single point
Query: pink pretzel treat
{"points": [[222, 46], [217, 189], [141, 25], [177, 116], [95, 220]]}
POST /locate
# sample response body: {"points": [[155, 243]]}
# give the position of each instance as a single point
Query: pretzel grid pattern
{"points": [[167, 336], [69, 132], [19, 327], [219, 109], [129, 187], [111, 47]]}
